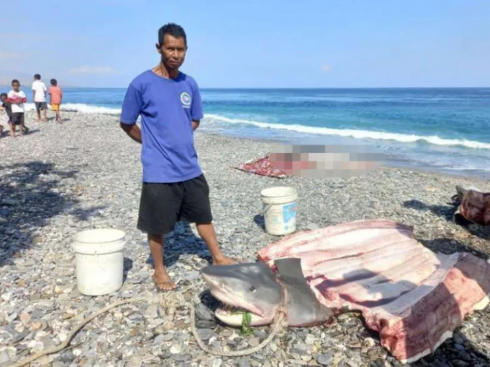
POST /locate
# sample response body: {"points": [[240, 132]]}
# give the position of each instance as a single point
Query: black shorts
{"points": [[164, 204], [41, 106], [17, 118]]}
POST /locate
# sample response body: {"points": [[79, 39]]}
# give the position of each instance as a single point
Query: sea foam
{"points": [[358, 134], [350, 133]]}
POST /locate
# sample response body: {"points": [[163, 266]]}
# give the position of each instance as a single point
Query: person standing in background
{"points": [[39, 97], [56, 95], [7, 107], [17, 98]]}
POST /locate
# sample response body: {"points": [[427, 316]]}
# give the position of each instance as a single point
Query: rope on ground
{"points": [[276, 327], [76, 330]]}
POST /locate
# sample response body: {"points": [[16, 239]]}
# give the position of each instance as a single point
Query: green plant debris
{"points": [[246, 321]]}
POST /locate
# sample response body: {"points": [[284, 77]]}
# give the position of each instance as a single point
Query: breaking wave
{"points": [[358, 134], [81, 107]]}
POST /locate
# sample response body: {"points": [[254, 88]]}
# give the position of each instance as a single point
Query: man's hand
{"points": [[195, 124], [133, 131]]}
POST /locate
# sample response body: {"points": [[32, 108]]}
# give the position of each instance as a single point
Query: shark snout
{"points": [[219, 276], [220, 270]]}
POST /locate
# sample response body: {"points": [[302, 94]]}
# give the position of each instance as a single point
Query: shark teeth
{"points": [[233, 316], [225, 309]]}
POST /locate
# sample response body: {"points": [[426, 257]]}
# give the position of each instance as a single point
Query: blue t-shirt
{"points": [[167, 108]]}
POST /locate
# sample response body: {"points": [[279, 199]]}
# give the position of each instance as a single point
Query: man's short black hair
{"points": [[54, 82], [4, 95], [15, 81], [37, 77], [172, 29]]}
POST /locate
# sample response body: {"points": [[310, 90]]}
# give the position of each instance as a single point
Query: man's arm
{"points": [[17, 100], [195, 124], [133, 131], [131, 109], [196, 107]]}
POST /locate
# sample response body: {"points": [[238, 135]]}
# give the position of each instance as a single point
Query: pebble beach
{"points": [[61, 179]]}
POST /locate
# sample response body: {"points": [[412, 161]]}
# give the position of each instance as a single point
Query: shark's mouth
{"points": [[233, 316]]}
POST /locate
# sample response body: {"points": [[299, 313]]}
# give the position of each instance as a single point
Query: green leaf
{"points": [[246, 321]]}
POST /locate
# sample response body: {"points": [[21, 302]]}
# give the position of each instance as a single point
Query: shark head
{"points": [[248, 287]]}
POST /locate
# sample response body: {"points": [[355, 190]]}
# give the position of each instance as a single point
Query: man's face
{"points": [[173, 52]]}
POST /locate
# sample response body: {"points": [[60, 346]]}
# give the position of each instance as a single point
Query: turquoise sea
{"points": [[440, 129]]}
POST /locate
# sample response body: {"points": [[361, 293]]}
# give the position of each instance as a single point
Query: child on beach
{"points": [[2, 118], [56, 95], [17, 98], [7, 107]]}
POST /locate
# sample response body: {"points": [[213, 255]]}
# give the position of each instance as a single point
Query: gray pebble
{"points": [[204, 313], [244, 362], [4, 357], [9, 202], [168, 337], [158, 341], [205, 334], [458, 338], [204, 324], [325, 359]]}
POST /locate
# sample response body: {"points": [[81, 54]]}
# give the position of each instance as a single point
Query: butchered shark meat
{"points": [[412, 296]]}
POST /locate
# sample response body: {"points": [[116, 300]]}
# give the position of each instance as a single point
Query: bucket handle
{"points": [[267, 207]]}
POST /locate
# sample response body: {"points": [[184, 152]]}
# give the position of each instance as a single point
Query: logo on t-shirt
{"points": [[185, 98]]}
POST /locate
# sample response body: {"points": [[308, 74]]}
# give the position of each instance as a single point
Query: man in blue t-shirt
{"points": [[174, 187]]}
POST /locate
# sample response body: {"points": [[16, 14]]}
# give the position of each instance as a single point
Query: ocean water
{"points": [[439, 129]]}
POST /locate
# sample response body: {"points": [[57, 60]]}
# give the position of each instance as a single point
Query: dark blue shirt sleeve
{"points": [[196, 107], [132, 105]]}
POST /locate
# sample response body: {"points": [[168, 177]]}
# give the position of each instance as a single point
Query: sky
{"points": [[253, 43]]}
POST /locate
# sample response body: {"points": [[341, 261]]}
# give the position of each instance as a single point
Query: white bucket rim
{"points": [[90, 235], [287, 191]]}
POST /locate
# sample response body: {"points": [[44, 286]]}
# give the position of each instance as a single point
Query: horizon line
{"points": [[278, 88]]}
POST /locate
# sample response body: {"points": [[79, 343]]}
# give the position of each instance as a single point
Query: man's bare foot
{"points": [[163, 282], [224, 261]]}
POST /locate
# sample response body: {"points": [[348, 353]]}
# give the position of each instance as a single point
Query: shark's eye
{"points": [[252, 289]]}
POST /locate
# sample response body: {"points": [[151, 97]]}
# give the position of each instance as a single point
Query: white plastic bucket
{"points": [[99, 260], [279, 209]]}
